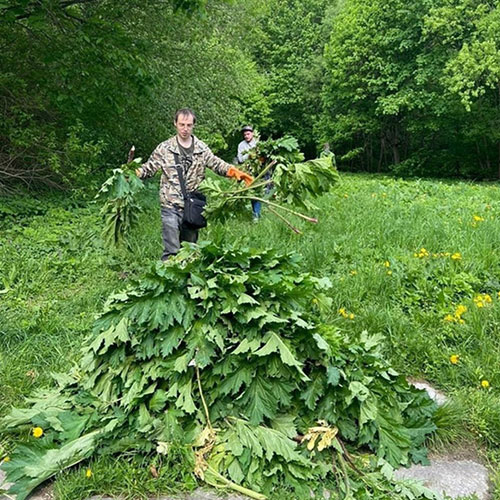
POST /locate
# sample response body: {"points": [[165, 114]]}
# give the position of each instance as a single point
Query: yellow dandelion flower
{"points": [[343, 312], [487, 298], [461, 309], [485, 384], [353, 272], [449, 318], [88, 473], [498, 293], [478, 218], [388, 264], [37, 432], [346, 195], [454, 359], [389, 272], [456, 256], [351, 316], [6, 459]]}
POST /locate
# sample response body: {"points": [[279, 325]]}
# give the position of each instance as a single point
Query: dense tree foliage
{"points": [[409, 87], [414, 86], [290, 53], [84, 80]]}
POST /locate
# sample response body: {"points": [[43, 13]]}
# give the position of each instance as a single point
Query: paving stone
{"points": [[198, 494], [439, 397], [3, 485], [455, 478]]}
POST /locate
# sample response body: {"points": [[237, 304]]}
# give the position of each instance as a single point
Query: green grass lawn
{"points": [[416, 261]]}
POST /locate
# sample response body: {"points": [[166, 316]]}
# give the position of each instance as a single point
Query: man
{"points": [[193, 155], [244, 146]]}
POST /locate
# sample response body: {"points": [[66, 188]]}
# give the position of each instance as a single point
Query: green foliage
{"points": [[118, 71], [290, 52], [282, 151], [423, 97], [277, 176], [120, 210], [298, 181], [242, 328]]}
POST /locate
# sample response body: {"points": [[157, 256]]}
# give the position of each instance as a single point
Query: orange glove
{"points": [[240, 175]]}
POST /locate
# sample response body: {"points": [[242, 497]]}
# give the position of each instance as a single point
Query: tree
{"points": [[84, 80], [399, 83], [290, 54]]}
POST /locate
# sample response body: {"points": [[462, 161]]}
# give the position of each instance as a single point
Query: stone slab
{"points": [[454, 478], [438, 396], [198, 494]]}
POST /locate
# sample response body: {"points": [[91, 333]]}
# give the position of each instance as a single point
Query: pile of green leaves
{"points": [[221, 351], [282, 179], [121, 209]]}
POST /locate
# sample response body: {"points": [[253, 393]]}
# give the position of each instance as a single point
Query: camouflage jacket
{"points": [[170, 187]]}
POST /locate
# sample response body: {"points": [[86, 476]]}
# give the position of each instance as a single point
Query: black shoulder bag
{"points": [[194, 202]]}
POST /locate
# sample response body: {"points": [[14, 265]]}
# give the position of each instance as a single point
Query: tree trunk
{"points": [[382, 153], [498, 173]]}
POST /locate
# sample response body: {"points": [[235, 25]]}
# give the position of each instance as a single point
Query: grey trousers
{"points": [[174, 231]]}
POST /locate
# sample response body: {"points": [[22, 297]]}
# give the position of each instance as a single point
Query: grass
{"points": [[403, 256]]}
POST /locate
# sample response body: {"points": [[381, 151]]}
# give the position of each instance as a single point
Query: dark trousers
{"points": [[174, 231]]}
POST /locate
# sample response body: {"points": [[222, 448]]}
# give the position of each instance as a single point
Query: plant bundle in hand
{"points": [[120, 209], [282, 179], [221, 351]]}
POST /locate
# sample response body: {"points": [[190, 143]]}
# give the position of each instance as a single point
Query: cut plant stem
{"points": [[265, 170], [246, 188], [263, 200], [293, 228], [236, 487], [203, 399]]}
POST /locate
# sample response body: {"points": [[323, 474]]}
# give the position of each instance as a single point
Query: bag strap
{"points": [[181, 175]]}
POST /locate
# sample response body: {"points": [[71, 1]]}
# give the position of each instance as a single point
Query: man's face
{"points": [[248, 135], [184, 126]]}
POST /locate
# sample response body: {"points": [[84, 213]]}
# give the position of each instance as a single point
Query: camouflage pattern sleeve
{"points": [[214, 163], [155, 162]]}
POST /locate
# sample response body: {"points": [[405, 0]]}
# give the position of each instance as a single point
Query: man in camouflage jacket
{"points": [[194, 156]]}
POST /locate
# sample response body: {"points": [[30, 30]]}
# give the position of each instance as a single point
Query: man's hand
{"points": [[240, 175]]}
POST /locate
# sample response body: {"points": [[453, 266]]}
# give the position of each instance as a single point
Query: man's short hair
{"points": [[247, 128], [185, 112]]}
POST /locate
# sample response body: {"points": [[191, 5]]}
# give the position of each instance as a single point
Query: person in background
{"points": [[248, 143], [194, 156]]}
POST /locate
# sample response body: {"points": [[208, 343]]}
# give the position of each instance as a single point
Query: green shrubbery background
{"points": [[412, 89]]}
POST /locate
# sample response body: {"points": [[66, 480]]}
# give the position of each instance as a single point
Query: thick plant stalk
{"points": [[293, 228], [205, 407], [234, 486], [298, 214], [276, 205], [265, 170]]}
